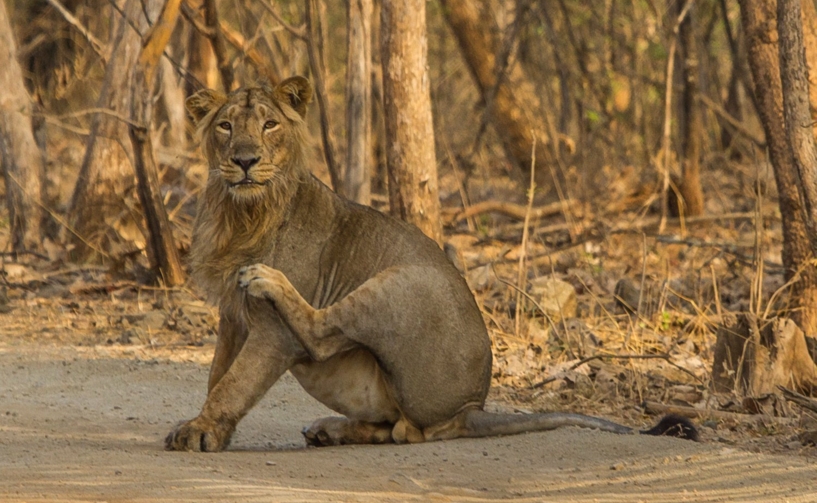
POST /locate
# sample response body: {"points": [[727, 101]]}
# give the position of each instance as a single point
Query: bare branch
{"points": [[98, 47], [299, 33]]}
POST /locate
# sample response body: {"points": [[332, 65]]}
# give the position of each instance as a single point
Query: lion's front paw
{"points": [[199, 435], [261, 280], [249, 273]]}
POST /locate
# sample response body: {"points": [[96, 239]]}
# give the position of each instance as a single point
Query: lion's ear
{"points": [[203, 102], [296, 92]]}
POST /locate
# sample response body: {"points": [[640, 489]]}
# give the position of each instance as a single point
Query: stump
{"points": [[755, 357]]}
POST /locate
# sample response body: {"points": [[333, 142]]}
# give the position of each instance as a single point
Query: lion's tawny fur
{"points": [[364, 310]]}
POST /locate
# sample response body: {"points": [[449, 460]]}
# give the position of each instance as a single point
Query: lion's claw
{"points": [[248, 274], [198, 435], [261, 280]]}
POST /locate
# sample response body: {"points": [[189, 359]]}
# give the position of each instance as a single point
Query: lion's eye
{"points": [[270, 125], [225, 126]]}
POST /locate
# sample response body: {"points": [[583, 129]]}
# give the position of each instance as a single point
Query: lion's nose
{"points": [[245, 162]]}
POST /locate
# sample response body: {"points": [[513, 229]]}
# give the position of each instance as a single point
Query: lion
{"points": [[364, 310]]}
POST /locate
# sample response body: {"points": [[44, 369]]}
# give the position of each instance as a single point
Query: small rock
{"points": [[271, 463], [152, 320], [558, 298], [130, 336], [480, 278]]}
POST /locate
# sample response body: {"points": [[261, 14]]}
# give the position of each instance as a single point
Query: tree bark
{"points": [[21, 160], [794, 77], [513, 102], [759, 20], [162, 252], [357, 179], [692, 131], [410, 154], [809, 18]]}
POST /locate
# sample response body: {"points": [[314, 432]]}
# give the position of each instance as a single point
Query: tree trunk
{"points": [[513, 103], [754, 358], [410, 152], [357, 179], [162, 252], [794, 77], [172, 93], [809, 19], [219, 45], [314, 45], [692, 131], [106, 174], [199, 58], [759, 20], [21, 160]]}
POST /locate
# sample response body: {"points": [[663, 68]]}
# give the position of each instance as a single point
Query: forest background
{"points": [[629, 186]]}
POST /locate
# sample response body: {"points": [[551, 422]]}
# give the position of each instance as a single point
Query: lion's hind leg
{"points": [[343, 431]]}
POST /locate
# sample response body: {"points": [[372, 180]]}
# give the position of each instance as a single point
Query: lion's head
{"points": [[252, 138]]}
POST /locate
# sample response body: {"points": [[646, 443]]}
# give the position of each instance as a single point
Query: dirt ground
{"points": [[86, 424]]}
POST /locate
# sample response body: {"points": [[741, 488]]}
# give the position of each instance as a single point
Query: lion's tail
{"points": [[478, 423]]}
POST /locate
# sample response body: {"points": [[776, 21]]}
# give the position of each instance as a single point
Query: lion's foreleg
{"points": [[263, 359], [231, 336], [321, 340]]}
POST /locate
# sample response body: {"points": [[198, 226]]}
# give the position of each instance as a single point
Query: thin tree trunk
{"points": [[809, 18], [410, 152], [219, 45], [199, 57], [173, 104], [357, 179], [513, 102], [732, 105], [691, 191], [162, 252], [314, 45], [794, 77], [760, 26], [106, 172], [21, 160]]}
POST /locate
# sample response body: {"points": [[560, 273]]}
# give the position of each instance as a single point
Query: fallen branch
{"points": [[691, 412], [510, 209], [581, 362], [799, 399], [599, 232]]}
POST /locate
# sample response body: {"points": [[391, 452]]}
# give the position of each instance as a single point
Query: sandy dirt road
{"points": [[85, 425]]}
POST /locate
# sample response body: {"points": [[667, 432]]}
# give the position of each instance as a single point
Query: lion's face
{"points": [[253, 136]]}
